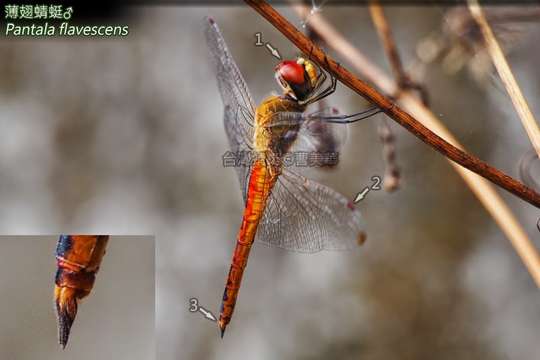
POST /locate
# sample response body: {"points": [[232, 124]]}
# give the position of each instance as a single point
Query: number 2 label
{"points": [[376, 182]]}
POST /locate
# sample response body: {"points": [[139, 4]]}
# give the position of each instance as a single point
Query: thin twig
{"points": [[507, 77], [385, 34], [393, 111], [495, 15], [480, 187], [522, 15], [392, 173], [525, 165]]}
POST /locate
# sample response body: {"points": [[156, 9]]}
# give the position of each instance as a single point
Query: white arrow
{"points": [[273, 50], [361, 195], [207, 314]]}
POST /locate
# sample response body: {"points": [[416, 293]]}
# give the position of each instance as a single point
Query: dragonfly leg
{"points": [[346, 119], [285, 118], [329, 90]]}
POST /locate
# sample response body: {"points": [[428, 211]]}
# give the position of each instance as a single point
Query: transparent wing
{"points": [[327, 139], [321, 135], [305, 216], [239, 108]]}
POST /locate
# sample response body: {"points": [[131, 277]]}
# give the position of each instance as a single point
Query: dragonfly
{"points": [[78, 258], [282, 208]]}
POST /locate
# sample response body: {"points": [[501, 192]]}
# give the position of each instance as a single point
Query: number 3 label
{"points": [[193, 305]]}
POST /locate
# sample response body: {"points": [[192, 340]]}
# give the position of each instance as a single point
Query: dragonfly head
{"points": [[297, 78]]}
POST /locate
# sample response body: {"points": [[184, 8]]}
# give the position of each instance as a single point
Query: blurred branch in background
{"points": [[460, 43], [512, 88], [392, 173], [506, 75], [403, 80], [525, 167], [480, 187]]}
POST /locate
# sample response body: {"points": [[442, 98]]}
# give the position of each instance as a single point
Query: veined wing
{"points": [[321, 134], [305, 216], [321, 140], [239, 108]]}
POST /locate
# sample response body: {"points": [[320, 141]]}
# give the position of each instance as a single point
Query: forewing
{"points": [[239, 108], [305, 216]]}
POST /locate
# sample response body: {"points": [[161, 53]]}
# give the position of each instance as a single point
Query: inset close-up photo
{"points": [[77, 296]]}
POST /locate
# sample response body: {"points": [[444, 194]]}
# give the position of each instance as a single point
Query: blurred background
{"points": [[125, 136], [115, 321]]}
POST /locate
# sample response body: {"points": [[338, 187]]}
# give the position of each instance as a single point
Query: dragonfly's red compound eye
{"points": [[291, 72]]}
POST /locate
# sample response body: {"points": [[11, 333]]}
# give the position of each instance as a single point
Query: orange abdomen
{"points": [[260, 184], [78, 258]]}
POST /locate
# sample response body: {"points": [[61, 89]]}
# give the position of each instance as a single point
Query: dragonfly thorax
{"points": [[270, 137]]}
